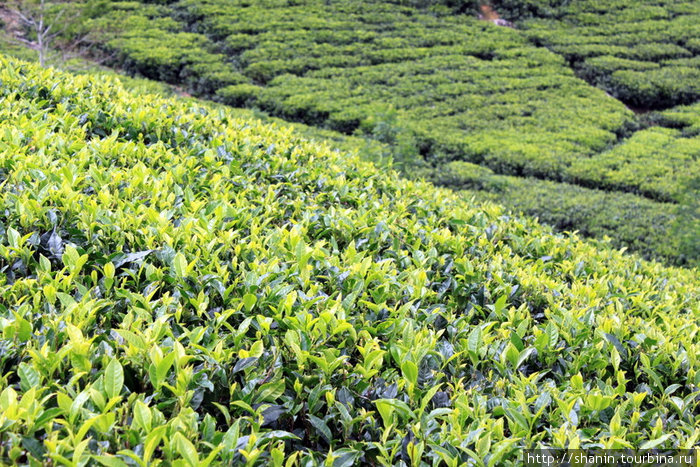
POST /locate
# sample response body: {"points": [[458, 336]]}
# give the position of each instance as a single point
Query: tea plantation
{"points": [[182, 287], [645, 53], [439, 87], [466, 89]]}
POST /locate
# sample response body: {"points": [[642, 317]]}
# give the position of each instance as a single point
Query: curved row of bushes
{"points": [[663, 231], [467, 90]]}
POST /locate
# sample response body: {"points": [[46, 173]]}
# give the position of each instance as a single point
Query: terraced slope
{"points": [[466, 89], [644, 53], [180, 287]]}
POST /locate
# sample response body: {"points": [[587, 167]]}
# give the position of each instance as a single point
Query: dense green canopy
{"points": [[178, 286]]}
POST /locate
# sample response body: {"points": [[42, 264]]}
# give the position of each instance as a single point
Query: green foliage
{"points": [[658, 230], [640, 164], [432, 87], [180, 287], [238, 95], [403, 147], [143, 40], [644, 53], [8, 47], [685, 118], [84, 66], [457, 6], [523, 9], [461, 88]]}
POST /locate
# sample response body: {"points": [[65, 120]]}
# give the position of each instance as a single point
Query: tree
{"points": [[42, 22]]}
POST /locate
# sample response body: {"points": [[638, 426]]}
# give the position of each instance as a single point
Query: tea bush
{"points": [[665, 231], [144, 40], [181, 287], [685, 118], [640, 164], [660, 230], [83, 66], [467, 90]]}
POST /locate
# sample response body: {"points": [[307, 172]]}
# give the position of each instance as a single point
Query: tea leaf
{"points": [[29, 377], [186, 449], [113, 378], [180, 265]]}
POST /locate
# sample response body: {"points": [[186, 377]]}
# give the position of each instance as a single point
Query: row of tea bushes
{"points": [[646, 53], [684, 118], [467, 89], [658, 230], [179, 287], [145, 40], [657, 162], [664, 231], [81, 65]]}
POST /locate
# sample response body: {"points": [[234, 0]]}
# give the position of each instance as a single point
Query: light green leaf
{"points": [[386, 411], [249, 301], [180, 265], [163, 367], [186, 449], [410, 371], [109, 270], [28, 376], [13, 237], [500, 449], [8, 398], [142, 415], [152, 441], [25, 330], [70, 256], [553, 334], [651, 444], [114, 378], [474, 342], [110, 461]]}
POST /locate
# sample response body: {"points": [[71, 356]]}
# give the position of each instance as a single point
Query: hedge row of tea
{"points": [[467, 90], [646, 53], [664, 231], [180, 287], [464, 88], [653, 229]]}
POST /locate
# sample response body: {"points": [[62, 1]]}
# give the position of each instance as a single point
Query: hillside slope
{"points": [[178, 285], [664, 231], [439, 88]]}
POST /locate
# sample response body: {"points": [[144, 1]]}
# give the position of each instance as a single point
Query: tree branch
{"points": [[47, 21]]}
